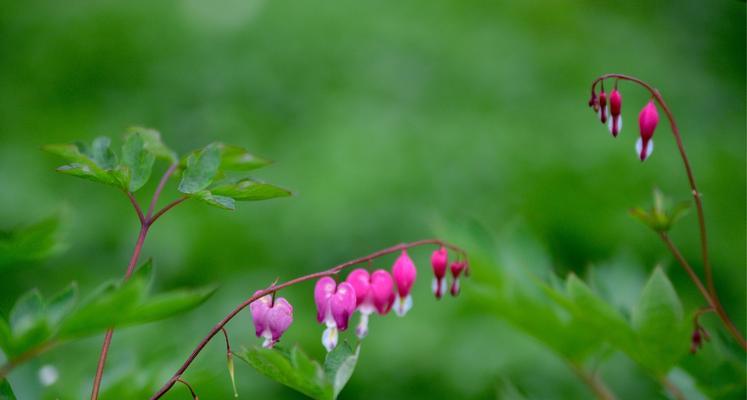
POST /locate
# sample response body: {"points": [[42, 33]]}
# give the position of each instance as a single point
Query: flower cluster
{"points": [[609, 111], [379, 292]]}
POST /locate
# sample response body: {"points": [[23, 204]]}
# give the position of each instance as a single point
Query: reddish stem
{"points": [[274, 288], [711, 288], [159, 189]]}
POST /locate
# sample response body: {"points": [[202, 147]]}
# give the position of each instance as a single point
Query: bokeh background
{"points": [[389, 120]]}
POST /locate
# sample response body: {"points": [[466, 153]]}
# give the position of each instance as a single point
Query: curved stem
{"points": [[706, 295], [596, 385], [715, 302], [167, 208], [159, 189], [274, 288], [673, 389], [136, 206], [191, 391]]}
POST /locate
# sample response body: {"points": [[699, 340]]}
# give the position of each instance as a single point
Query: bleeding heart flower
{"points": [[335, 304], [404, 273], [456, 270], [615, 122], [647, 121], [271, 320], [439, 262], [603, 106], [373, 293]]}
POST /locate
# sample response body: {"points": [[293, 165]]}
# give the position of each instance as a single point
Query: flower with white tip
{"points": [[404, 274], [615, 122], [647, 121], [271, 320], [439, 262], [373, 293], [334, 304]]}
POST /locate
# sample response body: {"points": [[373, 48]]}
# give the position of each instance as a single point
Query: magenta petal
{"points": [[342, 305], [647, 121], [360, 280], [457, 268], [259, 310], [381, 289], [404, 274], [279, 318], [439, 262], [323, 291]]}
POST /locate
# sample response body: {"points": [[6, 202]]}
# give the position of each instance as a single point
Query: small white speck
{"points": [[48, 375]]}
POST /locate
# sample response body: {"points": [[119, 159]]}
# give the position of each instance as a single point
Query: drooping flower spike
{"points": [[439, 262], [404, 274], [334, 304], [373, 293], [271, 320], [647, 121], [615, 122], [457, 267]]}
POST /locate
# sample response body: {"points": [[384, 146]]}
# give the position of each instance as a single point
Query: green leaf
{"points": [[27, 312], [62, 303], [249, 190], [208, 197], [137, 160], [293, 369], [153, 144], [102, 154], [96, 164], [658, 321], [6, 392], [339, 366], [30, 243], [164, 305], [201, 168], [6, 337], [235, 158], [662, 215]]}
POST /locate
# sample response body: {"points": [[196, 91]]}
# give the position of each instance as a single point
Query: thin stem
{"points": [[710, 300], [191, 391], [29, 354], [167, 208], [673, 389], [145, 223], [715, 302], [159, 189], [274, 288], [594, 383]]}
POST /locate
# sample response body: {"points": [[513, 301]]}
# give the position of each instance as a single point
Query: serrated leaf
{"points": [[235, 158], [658, 321], [30, 243], [339, 366], [153, 144], [167, 304], [201, 168], [6, 392], [137, 160], [292, 370], [223, 202], [249, 190], [96, 163]]}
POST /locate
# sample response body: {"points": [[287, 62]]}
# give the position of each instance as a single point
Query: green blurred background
{"points": [[387, 119]]}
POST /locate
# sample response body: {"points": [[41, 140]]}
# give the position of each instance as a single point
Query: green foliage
{"points": [[662, 215], [296, 370], [138, 161], [6, 392], [30, 243], [36, 323]]}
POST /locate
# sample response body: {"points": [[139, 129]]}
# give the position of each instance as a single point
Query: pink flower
{"points": [[456, 269], [373, 293], [603, 106], [271, 320], [335, 304], [404, 273], [615, 122], [439, 262], [647, 121]]}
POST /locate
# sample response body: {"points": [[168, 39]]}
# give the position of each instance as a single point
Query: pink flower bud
{"points": [[439, 262], [594, 101], [603, 107], [335, 304], [615, 122], [404, 273], [271, 320], [456, 270], [647, 121]]}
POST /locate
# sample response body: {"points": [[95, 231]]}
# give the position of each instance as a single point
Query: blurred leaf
{"points": [[6, 392], [164, 305], [339, 366], [102, 154], [95, 164], [223, 202], [235, 158], [62, 303], [201, 168], [293, 369], [27, 311], [31, 243], [153, 144], [662, 215], [658, 320], [249, 190], [137, 160]]}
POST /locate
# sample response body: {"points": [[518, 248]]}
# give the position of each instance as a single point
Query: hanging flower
{"points": [[404, 274], [439, 262], [335, 304], [457, 267], [647, 121], [615, 121], [373, 293], [271, 320]]}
